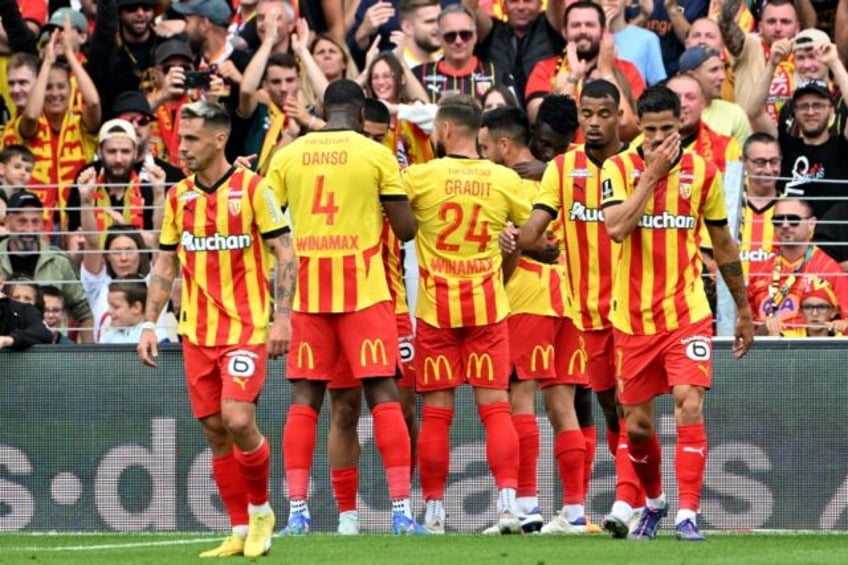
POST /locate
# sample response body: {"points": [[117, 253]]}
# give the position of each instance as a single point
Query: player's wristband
{"points": [[148, 326]]}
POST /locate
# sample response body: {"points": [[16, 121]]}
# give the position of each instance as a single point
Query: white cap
{"points": [[117, 128]]}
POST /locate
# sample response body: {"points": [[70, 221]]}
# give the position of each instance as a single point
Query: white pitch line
{"points": [[113, 545]]}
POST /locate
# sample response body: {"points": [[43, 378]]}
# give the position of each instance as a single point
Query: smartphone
{"points": [[198, 79]]}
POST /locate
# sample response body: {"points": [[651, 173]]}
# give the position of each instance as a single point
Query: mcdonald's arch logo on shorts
{"points": [[578, 358], [310, 360], [541, 353], [373, 347], [478, 362], [433, 368]]}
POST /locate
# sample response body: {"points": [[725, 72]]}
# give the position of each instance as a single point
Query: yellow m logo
{"points": [[433, 368], [479, 361], [310, 360], [373, 347], [578, 358], [543, 353]]}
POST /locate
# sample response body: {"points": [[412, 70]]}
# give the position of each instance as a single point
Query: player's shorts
{"points": [[366, 341], [600, 363], [235, 372], [446, 358], [531, 346], [570, 359], [406, 350], [650, 365]]}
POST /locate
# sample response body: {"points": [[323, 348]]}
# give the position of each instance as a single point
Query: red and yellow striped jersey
{"points": [[657, 283], [333, 183], [571, 191], [409, 143], [462, 205], [756, 235], [534, 287], [393, 263], [217, 233]]}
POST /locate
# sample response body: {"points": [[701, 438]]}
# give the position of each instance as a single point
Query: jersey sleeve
{"points": [[276, 179], [614, 188], [549, 196], [715, 211], [391, 187], [269, 216], [169, 235], [520, 200]]}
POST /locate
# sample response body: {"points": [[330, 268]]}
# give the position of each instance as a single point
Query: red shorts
{"points": [[531, 345], [448, 357], [235, 372], [570, 359], [601, 358], [366, 341], [649, 365]]}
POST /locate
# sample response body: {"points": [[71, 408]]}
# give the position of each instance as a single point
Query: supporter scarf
{"points": [[272, 136], [782, 84], [133, 208], [168, 125], [778, 292]]}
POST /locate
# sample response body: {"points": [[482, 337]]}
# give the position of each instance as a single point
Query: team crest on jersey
{"points": [[685, 190], [234, 206]]}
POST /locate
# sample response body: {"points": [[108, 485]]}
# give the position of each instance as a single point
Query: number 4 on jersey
{"points": [[322, 206]]}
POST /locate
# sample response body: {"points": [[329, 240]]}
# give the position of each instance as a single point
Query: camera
{"points": [[198, 79]]}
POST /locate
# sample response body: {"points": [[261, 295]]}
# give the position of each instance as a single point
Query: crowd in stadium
{"points": [[106, 105]]}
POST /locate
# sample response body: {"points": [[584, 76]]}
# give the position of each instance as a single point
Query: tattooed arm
{"points": [[284, 285], [727, 256], [731, 33], [158, 291]]}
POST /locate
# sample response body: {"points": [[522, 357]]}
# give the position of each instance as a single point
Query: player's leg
{"points": [[487, 366], [406, 383], [586, 421], [522, 397], [343, 451]]}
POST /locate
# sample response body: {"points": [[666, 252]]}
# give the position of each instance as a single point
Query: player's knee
{"points": [[239, 422], [345, 412], [610, 408], [639, 429], [379, 390], [583, 407], [689, 411], [308, 393]]}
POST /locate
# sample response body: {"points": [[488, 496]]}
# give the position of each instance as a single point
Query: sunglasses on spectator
{"points": [[137, 119], [794, 220], [816, 307], [465, 35], [760, 163]]}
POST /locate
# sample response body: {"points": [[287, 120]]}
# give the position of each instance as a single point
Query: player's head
{"points": [[556, 124], [16, 163], [125, 251], [377, 120], [204, 131], [126, 301], [504, 132], [793, 222], [659, 115], [600, 114], [762, 158], [457, 121], [344, 101], [692, 101], [583, 26]]}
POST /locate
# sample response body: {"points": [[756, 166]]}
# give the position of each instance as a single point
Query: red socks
{"points": [[501, 443], [434, 451], [570, 454], [612, 440], [627, 486], [232, 488], [590, 435], [345, 484], [298, 448], [255, 468], [528, 453], [645, 457], [392, 439], [690, 460]]}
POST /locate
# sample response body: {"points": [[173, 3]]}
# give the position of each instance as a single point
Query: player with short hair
{"points": [[654, 200], [461, 201], [221, 226], [337, 184]]}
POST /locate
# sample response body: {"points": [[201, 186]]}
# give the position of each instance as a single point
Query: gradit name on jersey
{"points": [[215, 242], [580, 213], [666, 221]]}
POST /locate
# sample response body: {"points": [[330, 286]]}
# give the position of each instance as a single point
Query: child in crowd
{"points": [[16, 162], [127, 296], [55, 314]]}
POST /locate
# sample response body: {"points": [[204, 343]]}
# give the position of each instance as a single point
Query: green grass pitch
{"points": [[128, 549]]}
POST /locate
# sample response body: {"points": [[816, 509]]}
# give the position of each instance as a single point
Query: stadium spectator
{"points": [[527, 35], [634, 43], [55, 314], [333, 60], [776, 285], [4, 233], [280, 15], [21, 325], [225, 315], [360, 329], [16, 163], [21, 73], [458, 70], [498, 96], [419, 26], [705, 31], [26, 252], [588, 54], [816, 158], [723, 117], [820, 311], [24, 289], [126, 298], [649, 332], [815, 58], [761, 159], [831, 233]]}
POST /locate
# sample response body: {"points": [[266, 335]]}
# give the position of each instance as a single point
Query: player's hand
{"points": [[780, 50], [663, 155], [245, 161], [546, 252], [279, 336], [744, 335], [508, 240], [532, 170], [148, 348]]}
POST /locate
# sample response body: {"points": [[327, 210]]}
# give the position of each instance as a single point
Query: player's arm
{"points": [[400, 216], [531, 236], [158, 292], [730, 266], [284, 284]]}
